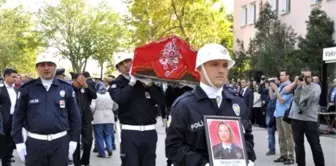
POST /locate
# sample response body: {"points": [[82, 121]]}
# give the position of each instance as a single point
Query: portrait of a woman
{"points": [[226, 149]]}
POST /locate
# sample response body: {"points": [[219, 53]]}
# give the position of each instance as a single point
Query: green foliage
{"points": [[241, 67], [196, 21], [80, 32], [271, 48], [19, 40], [320, 29]]}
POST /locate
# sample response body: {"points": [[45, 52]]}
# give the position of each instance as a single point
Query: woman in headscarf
{"points": [[103, 115]]}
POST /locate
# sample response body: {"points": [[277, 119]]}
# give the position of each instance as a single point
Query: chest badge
{"points": [[236, 109], [239, 155], [147, 95], [62, 93], [82, 90]]}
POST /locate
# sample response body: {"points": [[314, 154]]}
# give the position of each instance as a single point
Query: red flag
{"points": [[170, 58]]}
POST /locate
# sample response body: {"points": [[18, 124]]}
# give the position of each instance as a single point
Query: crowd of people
{"points": [[53, 120]]}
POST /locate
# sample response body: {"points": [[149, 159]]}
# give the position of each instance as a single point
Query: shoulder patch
{"points": [[184, 95]]}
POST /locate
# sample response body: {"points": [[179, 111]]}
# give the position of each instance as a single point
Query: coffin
{"points": [[170, 59]]}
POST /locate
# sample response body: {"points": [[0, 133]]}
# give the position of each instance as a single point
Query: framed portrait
{"points": [[225, 140]]}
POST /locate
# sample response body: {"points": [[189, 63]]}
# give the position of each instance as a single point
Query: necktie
{"points": [[46, 87], [218, 100], [227, 150]]}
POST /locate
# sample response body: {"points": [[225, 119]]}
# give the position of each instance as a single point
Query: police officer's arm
{"points": [[120, 94], [19, 115], [249, 142], [73, 115], [177, 148], [156, 94]]}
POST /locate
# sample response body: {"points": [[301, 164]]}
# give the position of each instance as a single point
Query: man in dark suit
{"points": [[8, 97], [247, 94], [89, 80], [84, 95], [234, 152]]}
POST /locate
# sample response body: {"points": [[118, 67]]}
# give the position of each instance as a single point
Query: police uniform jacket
{"points": [[46, 112], [234, 153], [186, 138], [136, 103]]}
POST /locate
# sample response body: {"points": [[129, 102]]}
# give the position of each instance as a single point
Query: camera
{"points": [[301, 77], [269, 80]]}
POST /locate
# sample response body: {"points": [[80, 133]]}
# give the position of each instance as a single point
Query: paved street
{"points": [[328, 145]]}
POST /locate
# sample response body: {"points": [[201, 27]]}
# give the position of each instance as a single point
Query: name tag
{"points": [[34, 101], [62, 103]]}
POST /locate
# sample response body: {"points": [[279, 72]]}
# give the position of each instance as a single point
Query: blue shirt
{"points": [[333, 94], [281, 108]]}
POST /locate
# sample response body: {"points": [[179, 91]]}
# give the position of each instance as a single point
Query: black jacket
{"points": [[248, 98], [136, 103], [84, 97]]}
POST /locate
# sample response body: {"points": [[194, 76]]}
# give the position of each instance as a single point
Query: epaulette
{"points": [[27, 83], [184, 95]]}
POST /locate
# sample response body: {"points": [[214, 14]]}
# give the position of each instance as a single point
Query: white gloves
{"points": [[250, 163], [207, 164], [22, 151], [145, 80], [72, 148]]}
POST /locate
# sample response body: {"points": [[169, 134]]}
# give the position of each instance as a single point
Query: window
{"points": [[316, 1], [285, 7], [274, 4], [252, 13], [244, 16]]}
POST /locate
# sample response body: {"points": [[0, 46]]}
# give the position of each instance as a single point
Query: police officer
{"points": [[186, 138], [137, 114], [60, 73], [48, 110]]}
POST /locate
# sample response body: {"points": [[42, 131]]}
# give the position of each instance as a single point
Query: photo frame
{"points": [[225, 141]]}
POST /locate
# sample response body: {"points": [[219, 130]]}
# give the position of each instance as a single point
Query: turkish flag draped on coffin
{"points": [[170, 58]]}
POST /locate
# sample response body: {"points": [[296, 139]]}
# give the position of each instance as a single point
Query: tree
{"points": [[273, 43], [105, 36], [19, 40], [80, 32], [241, 67], [197, 21], [320, 29]]}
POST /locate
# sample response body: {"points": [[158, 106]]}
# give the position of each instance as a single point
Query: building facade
{"points": [[292, 12]]}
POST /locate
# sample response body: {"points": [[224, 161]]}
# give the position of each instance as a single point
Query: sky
{"points": [[117, 5]]}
